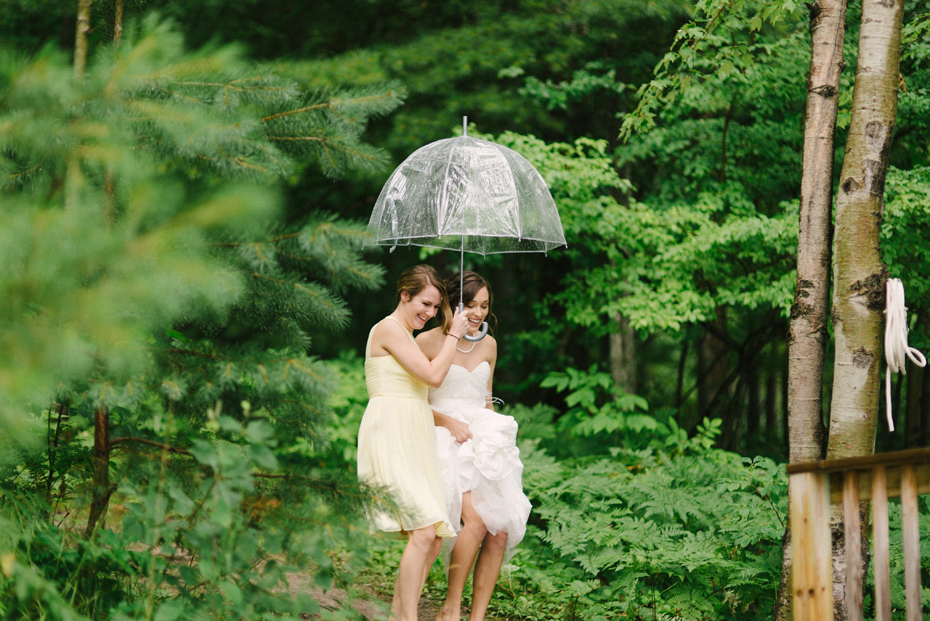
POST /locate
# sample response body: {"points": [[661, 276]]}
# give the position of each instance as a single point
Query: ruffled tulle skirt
{"points": [[489, 467]]}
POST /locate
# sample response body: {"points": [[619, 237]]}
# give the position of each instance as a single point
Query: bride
{"points": [[478, 455]]}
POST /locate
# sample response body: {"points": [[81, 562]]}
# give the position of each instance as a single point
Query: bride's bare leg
{"points": [[411, 574], [463, 558], [487, 569]]}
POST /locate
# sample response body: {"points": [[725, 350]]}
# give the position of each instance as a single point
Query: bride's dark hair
{"points": [[471, 284]]}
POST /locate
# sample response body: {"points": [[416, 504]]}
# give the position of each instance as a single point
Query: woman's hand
{"points": [[459, 326], [458, 429]]}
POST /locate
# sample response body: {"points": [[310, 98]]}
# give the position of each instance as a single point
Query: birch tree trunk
{"points": [[859, 298], [807, 333], [859, 276]]}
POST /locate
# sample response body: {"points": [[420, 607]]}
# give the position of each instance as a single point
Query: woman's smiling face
{"points": [[477, 309], [422, 307]]}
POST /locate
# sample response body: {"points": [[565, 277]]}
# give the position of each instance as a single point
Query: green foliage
{"points": [[675, 530], [660, 268], [896, 558], [589, 413], [723, 30], [203, 536], [145, 280]]}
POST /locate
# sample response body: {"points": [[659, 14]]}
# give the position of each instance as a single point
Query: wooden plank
{"points": [[880, 564], [866, 462], [853, 541], [911, 542], [812, 574], [893, 483]]}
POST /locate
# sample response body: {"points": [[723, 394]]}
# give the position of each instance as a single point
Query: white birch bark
{"points": [[808, 333], [859, 276]]}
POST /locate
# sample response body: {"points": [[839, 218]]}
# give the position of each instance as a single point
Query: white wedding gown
{"points": [[488, 465]]}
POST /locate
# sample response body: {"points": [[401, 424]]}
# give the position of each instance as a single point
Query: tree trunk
{"points": [[807, 337], [712, 367], [100, 494], [807, 334], [919, 410], [772, 429], [622, 355], [912, 423], [859, 276], [80, 38], [785, 435], [753, 412], [118, 21], [859, 297], [924, 407]]}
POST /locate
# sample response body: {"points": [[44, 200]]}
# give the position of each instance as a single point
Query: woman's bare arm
{"points": [[391, 338], [459, 430]]}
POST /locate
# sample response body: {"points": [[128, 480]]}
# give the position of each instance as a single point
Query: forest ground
{"points": [[365, 606]]}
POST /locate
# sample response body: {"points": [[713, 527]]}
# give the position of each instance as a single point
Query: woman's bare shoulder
{"points": [[430, 340], [387, 333]]}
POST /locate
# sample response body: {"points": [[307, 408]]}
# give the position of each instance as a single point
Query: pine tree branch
{"points": [[314, 294], [298, 111], [24, 173], [234, 160], [326, 143]]}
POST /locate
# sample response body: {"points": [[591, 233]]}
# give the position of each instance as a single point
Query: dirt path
{"points": [[371, 606]]}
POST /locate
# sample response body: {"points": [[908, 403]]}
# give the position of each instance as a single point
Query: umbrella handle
{"points": [[484, 327]]}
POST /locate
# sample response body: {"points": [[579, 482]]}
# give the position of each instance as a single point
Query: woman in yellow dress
{"points": [[396, 440]]}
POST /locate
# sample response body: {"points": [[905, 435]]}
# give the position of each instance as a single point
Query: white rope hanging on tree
{"points": [[896, 348]]}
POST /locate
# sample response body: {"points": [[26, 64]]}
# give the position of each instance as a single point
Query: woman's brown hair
{"points": [[415, 280], [471, 284]]}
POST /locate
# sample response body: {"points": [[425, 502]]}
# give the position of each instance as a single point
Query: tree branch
{"points": [[165, 447]]}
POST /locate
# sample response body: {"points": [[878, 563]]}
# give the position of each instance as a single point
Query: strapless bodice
{"points": [[462, 387]]}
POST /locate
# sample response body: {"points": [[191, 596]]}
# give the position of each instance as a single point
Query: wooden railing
{"points": [[813, 488]]}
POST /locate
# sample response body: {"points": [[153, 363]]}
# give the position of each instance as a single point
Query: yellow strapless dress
{"points": [[397, 449]]}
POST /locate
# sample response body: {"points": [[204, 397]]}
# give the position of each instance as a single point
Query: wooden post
{"points": [[812, 588], [911, 542], [853, 535], [881, 567]]}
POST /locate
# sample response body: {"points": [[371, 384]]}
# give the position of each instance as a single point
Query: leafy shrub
{"points": [[633, 518], [896, 557], [202, 535]]}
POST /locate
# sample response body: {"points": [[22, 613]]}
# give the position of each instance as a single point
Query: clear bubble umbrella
{"points": [[469, 195]]}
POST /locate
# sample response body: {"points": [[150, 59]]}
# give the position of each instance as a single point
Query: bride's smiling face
{"points": [[477, 310]]}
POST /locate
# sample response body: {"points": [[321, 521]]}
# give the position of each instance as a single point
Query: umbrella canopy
{"points": [[469, 195]]}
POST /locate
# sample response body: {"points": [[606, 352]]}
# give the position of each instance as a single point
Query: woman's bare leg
{"points": [[434, 551], [487, 569], [463, 558], [411, 573]]}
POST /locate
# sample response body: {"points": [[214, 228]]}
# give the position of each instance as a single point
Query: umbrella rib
{"points": [[445, 176]]}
